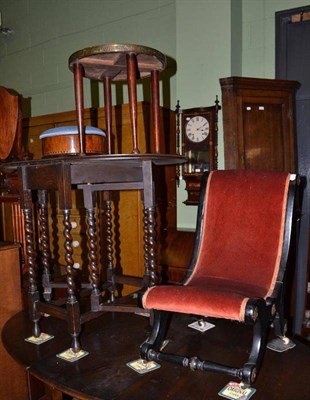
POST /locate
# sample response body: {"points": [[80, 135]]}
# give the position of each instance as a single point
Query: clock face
{"points": [[197, 128]]}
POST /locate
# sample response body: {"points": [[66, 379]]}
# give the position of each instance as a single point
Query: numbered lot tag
{"points": [[201, 325], [71, 356], [142, 366], [280, 345], [236, 391], [44, 337]]}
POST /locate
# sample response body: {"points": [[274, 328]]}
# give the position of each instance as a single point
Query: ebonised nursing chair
{"points": [[238, 264]]}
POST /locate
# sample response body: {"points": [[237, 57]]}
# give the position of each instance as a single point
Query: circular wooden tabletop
{"points": [[103, 159], [109, 60]]}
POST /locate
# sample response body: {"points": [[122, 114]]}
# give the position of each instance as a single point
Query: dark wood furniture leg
{"points": [[45, 248], [109, 241], [94, 276], [132, 68], [149, 225], [79, 104], [73, 307], [108, 110], [155, 109], [33, 293]]}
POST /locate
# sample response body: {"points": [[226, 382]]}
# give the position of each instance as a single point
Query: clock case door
{"points": [[202, 156]]}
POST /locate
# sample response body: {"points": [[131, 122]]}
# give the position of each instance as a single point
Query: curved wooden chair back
{"points": [[10, 125]]}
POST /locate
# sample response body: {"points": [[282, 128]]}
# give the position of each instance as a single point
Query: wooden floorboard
{"points": [[113, 339]]}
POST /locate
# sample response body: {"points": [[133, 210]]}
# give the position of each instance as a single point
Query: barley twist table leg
{"points": [[33, 293], [110, 269], [93, 258], [45, 248], [73, 308], [151, 245]]}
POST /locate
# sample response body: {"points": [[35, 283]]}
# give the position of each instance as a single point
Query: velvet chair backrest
{"points": [[242, 228]]}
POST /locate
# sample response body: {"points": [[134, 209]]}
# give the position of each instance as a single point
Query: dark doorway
{"points": [[293, 62]]}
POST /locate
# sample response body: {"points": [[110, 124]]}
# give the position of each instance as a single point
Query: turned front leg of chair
{"points": [[33, 293], [72, 306]]}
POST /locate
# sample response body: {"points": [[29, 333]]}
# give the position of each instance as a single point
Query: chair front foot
{"points": [[259, 314], [249, 373], [159, 330], [280, 325]]}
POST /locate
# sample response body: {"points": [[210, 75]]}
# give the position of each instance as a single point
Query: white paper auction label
{"points": [[236, 391]]}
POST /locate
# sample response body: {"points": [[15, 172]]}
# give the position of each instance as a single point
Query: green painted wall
{"points": [[216, 39], [258, 33], [209, 39], [46, 32], [203, 51]]}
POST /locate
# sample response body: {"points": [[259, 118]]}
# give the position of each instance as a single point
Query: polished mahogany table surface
{"points": [[113, 339]]}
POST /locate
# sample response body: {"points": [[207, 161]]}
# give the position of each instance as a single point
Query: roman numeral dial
{"points": [[197, 128]]}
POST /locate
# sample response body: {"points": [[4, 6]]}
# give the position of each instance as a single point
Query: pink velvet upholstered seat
{"points": [[240, 248], [239, 260]]}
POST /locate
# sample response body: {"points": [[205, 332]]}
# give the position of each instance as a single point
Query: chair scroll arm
{"points": [[257, 308]]}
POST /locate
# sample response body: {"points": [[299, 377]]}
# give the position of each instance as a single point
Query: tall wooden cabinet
{"points": [[259, 123], [260, 133]]}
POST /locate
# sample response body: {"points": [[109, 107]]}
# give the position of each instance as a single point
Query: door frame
{"points": [[283, 18]]}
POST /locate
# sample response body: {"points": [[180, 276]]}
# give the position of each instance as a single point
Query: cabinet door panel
{"points": [[264, 145], [259, 123]]}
